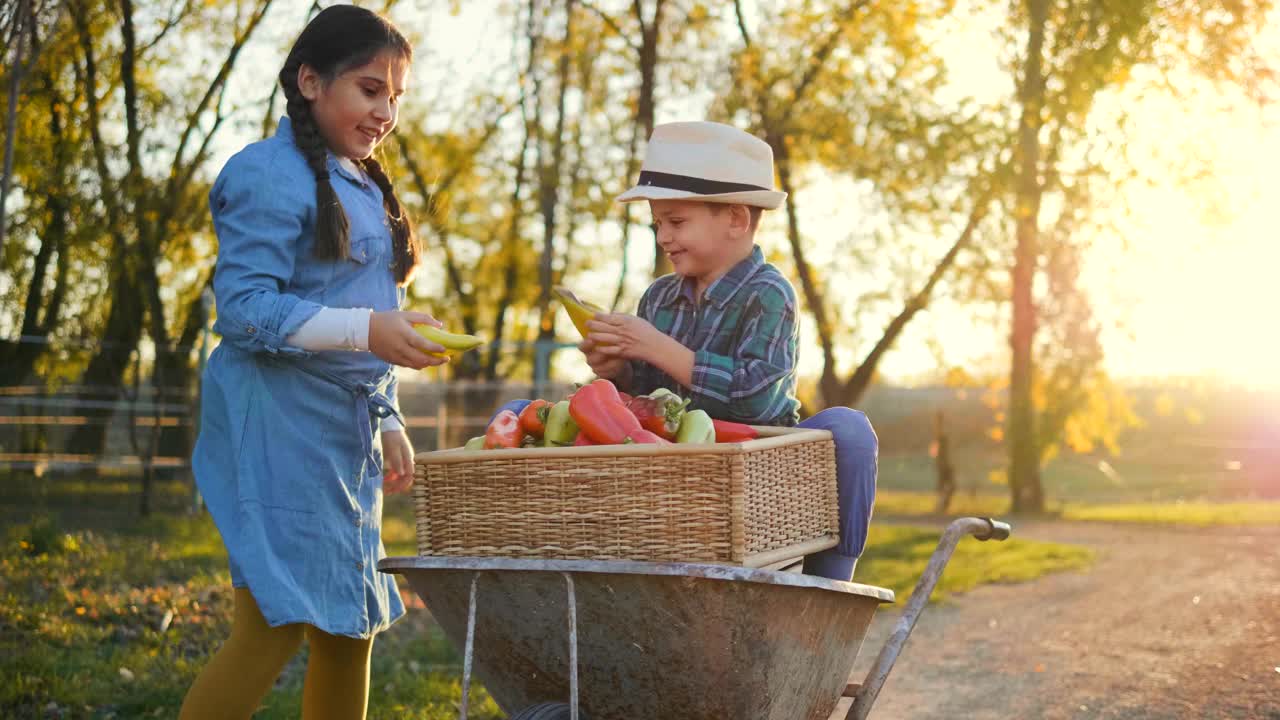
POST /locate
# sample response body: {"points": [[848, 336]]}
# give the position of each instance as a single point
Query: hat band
{"points": [[697, 185]]}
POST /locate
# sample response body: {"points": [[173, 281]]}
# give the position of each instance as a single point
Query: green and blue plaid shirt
{"points": [[744, 336]]}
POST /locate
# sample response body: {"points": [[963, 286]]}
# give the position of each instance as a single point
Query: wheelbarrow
{"points": [[619, 640]]}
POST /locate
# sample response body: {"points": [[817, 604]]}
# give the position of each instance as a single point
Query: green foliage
{"points": [[112, 147]]}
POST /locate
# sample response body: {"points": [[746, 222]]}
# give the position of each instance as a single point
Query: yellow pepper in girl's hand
{"points": [[452, 342]]}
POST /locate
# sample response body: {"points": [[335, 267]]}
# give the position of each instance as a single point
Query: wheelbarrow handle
{"points": [[995, 530], [980, 528]]}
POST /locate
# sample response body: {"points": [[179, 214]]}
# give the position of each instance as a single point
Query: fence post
{"points": [[442, 420]]}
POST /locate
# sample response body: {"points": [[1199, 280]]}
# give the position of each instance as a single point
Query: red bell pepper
{"points": [[644, 437], [504, 431], [533, 419], [659, 413], [600, 414], [730, 432], [582, 440]]}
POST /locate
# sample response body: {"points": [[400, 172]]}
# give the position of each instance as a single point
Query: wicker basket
{"points": [[754, 503]]}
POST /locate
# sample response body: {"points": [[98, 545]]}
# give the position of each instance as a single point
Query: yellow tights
{"points": [[240, 674]]}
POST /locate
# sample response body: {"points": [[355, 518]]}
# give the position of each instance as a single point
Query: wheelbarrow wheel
{"points": [[547, 711]]}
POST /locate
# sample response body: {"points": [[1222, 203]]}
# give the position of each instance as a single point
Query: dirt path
{"points": [[1168, 623]]}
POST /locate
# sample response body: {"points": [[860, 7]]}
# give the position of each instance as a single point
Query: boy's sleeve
{"points": [[259, 223], [753, 384]]}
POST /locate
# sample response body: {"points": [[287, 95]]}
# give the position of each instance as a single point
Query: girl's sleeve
{"points": [[391, 423], [259, 215], [334, 329]]}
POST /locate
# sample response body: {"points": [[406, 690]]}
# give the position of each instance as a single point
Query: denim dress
{"points": [[288, 457]]}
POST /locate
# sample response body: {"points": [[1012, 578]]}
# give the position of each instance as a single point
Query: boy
{"points": [[721, 329]]}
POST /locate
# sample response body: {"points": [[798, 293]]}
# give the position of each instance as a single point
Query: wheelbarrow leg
{"points": [[573, 648], [469, 650], [982, 529]]}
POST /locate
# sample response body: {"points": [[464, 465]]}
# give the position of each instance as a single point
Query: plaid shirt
{"points": [[744, 337]]}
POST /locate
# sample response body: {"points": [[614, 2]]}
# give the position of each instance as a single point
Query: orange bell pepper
{"points": [[533, 419]]}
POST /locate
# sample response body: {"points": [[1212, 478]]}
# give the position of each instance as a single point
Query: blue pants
{"points": [[856, 450]]}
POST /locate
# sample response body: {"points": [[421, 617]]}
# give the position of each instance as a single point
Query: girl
{"points": [[299, 431]]}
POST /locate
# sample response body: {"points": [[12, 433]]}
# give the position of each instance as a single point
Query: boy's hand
{"points": [[617, 335], [397, 462], [604, 366]]}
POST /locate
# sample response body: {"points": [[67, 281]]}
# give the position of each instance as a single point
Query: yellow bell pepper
{"points": [[580, 311], [453, 342]]}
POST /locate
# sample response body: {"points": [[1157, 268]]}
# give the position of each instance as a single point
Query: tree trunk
{"points": [[829, 384], [512, 240], [120, 337], [22, 15], [550, 200], [858, 383], [946, 471], [1024, 461], [642, 129], [469, 365], [40, 315], [175, 378], [646, 107], [128, 291]]}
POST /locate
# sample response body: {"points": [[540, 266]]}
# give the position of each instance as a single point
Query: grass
{"points": [[913, 504], [896, 555], [116, 624], [1139, 476], [1197, 513]]}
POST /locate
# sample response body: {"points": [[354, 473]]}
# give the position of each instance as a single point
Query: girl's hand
{"points": [[604, 366], [397, 462], [392, 338], [621, 336]]}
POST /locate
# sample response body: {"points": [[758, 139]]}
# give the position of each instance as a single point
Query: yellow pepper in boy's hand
{"points": [[617, 335], [624, 336], [610, 367]]}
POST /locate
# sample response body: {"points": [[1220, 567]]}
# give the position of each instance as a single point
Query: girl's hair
{"points": [[337, 39]]}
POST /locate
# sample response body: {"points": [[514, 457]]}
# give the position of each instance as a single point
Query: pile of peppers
{"points": [[598, 414]]}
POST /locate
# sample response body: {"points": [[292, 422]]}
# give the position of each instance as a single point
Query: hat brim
{"points": [[767, 199]]}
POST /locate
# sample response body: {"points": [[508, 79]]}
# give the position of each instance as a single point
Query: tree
{"points": [[145, 220], [24, 27], [848, 89], [1067, 54], [647, 54]]}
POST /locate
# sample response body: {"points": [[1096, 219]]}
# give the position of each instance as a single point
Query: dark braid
{"points": [[338, 38], [333, 230], [404, 243]]}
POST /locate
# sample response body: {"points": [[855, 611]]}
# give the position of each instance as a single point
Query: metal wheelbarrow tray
{"points": [[619, 640]]}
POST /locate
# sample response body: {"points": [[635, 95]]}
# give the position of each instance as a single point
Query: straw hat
{"points": [[706, 161]]}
